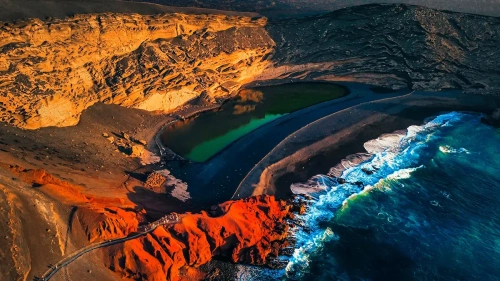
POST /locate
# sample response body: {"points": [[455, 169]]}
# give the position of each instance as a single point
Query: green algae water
{"points": [[203, 137], [422, 204]]}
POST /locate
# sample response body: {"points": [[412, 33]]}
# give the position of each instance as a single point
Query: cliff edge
{"points": [[51, 70]]}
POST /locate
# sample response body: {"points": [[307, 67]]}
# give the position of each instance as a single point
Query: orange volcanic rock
{"points": [[240, 231], [244, 231], [107, 223], [63, 191], [99, 217], [51, 70]]}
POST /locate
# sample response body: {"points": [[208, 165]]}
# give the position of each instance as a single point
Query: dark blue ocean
{"points": [[421, 204]]}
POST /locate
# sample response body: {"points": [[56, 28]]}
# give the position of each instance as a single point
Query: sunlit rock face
{"points": [[246, 231], [50, 71]]}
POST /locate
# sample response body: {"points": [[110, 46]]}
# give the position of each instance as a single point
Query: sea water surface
{"points": [[201, 138], [423, 204]]}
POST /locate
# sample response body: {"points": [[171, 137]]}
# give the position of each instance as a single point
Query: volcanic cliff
{"points": [[250, 231], [51, 70]]}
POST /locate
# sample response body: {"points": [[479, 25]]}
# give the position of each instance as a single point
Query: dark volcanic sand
{"points": [[318, 147], [216, 180]]}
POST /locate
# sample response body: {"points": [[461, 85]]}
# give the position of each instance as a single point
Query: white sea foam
{"points": [[390, 157], [349, 162], [315, 186], [450, 150], [403, 173], [384, 143]]}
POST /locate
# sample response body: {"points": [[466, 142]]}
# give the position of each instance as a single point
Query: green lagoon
{"points": [[200, 138]]}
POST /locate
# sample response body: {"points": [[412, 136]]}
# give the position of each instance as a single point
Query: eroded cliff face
{"points": [[389, 45], [50, 71]]}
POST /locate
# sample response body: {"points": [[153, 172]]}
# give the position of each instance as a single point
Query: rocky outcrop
{"points": [[389, 45], [246, 231], [493, 119], [50, 71]]}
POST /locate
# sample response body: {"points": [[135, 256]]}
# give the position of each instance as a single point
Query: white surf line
{"points": [[310, 124]]}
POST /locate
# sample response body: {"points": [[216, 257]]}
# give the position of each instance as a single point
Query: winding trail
{"points": [[72, 257]]}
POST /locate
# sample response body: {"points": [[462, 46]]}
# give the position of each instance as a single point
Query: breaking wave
{"points": [[388, 158]]}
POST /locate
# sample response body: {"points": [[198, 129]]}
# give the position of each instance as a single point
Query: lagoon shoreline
{"points": [[222, 173], [317, 147]]}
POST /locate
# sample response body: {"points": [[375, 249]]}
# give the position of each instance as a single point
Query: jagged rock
{"points": [[51, 70], [249, 231], [105, 135], [213, 275], [111, 139], [125, 136], [155, 180], [136, 150], [493, 119]]}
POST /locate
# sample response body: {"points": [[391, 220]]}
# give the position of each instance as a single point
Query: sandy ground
{"points": [[37, 225], [322, 144]]}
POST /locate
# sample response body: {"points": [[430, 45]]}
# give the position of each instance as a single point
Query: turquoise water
{"points": [[206, 149], [423, 207]]}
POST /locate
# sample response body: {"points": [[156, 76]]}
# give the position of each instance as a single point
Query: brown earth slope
{"points": [[390, 45], [48, 218]]}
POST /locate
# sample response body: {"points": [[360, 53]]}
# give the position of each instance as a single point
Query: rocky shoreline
{"points": [[323, 144]]}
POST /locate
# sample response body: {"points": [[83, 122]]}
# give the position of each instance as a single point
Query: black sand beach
{"points": [[222, 174], [317, 147]]}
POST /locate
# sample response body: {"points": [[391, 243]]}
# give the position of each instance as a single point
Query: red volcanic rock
{"points": [[108, 223], [100, 218], [245, 231]]}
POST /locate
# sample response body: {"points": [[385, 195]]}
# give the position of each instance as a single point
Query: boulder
{"points": [[493, 119], [136, 150]]}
